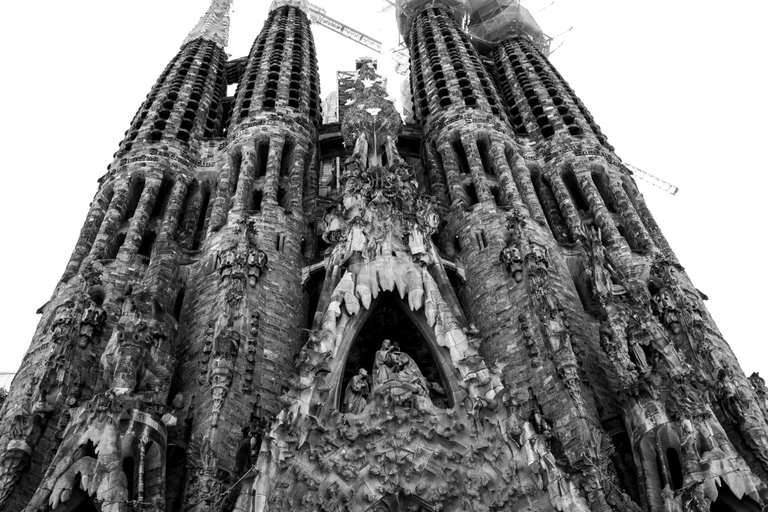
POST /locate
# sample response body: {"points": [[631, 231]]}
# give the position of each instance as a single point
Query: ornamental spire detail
{"points": [[214, 25]]}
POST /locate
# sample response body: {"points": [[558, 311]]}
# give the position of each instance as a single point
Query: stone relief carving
{"points": [[25, 431], [140, 356], [91, 321], [731, 398], [243, 261], [397, 377], [512, 259], [62, 322], [761, 391], [250, 352]]}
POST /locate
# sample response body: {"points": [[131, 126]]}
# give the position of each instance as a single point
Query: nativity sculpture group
{"points": [[396, 378]]}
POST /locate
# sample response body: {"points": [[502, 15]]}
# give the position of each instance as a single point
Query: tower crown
{"points": [[490, 21], [300, 4], [494, 21], [214, 25], [408, 10]]}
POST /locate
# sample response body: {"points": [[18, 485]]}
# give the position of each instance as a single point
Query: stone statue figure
{"points": [[729, 397], [407, 371], [90, 323], [634, 346], [381, 371], [356, 392], [397, 374], [437, 395]]}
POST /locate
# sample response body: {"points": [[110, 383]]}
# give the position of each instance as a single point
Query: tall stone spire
{"points": [[214, 25]]}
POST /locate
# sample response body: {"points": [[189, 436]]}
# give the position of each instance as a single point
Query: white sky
{"points": [[678, 87]]}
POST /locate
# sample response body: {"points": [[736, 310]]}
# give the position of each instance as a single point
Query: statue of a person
{"points": [[512, 259], [758, 385], [62, 320], [406, 370], [636, 352], [90, 323], [728, 397], [355, 394], [381, 370], [437, 395]]}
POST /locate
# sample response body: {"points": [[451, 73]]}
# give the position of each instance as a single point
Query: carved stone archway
{"points": [[449, 377]]}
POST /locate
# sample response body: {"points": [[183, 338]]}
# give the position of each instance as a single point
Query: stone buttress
{"points": [[662, 376], [93, 419], [474, 152], [249, 301]]}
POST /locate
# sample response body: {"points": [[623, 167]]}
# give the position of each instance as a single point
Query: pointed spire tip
{"points": [[214, 25]]}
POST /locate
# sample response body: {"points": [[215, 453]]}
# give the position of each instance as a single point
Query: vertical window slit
{"points": [[569, 179], [147, 241], [262, 157], [234, 171], [461, 157], [256, 197], [162, 197]]}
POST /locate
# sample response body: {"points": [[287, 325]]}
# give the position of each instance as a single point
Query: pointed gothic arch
{"points": [[389, 317], [357, 323]]}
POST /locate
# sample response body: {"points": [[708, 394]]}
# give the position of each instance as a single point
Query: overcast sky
{"points": [[678, 87]]}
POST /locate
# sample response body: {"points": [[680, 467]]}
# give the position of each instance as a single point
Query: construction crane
{"points": [[402, 59], [318, 15], [5, 379], [653, 180]]}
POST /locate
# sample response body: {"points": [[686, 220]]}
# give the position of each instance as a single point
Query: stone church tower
{"points": [[472, 312]]}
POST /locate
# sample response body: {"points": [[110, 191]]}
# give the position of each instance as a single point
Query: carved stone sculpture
{"points": [[356, 393], [397, 376], [62, 321], [90, 323], [760, 389], [140, 356], [729, 397], [512, 259]]}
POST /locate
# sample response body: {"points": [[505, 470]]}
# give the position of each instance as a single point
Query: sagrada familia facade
{"points": [[474, 311]]}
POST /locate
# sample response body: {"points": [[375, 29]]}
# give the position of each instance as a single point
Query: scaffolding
{"points": [[486, 21], [493, 21], [407, 10]]}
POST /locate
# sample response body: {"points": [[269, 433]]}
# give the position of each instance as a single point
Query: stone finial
{"points": [[214, 25]]}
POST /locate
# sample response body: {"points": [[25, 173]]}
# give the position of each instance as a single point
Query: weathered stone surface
{"points": [[496, 325]]}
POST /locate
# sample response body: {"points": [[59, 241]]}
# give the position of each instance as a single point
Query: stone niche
{"points": [[389, 319]]}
